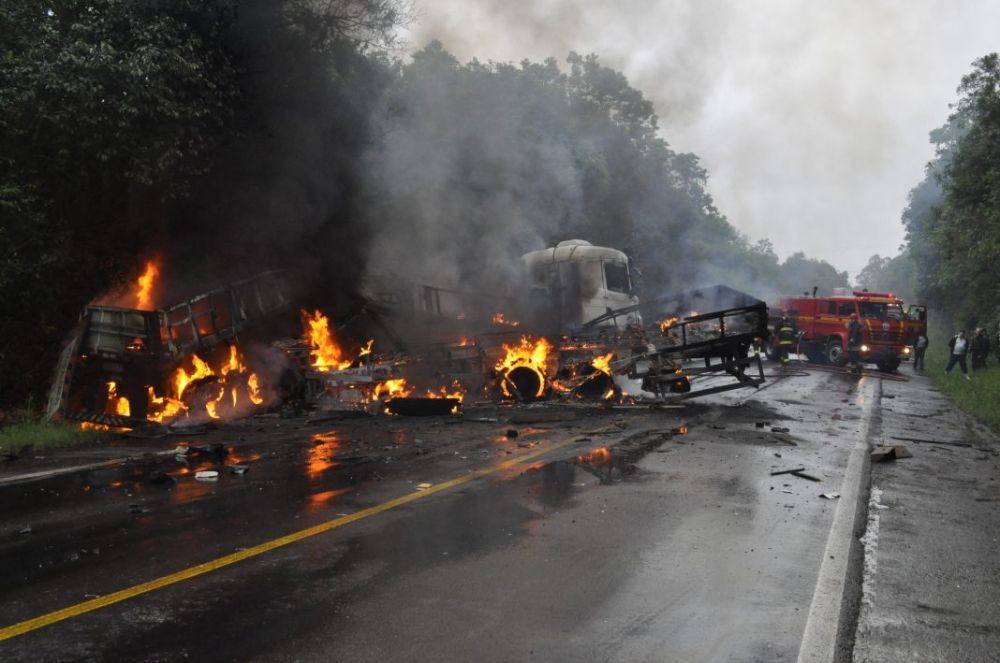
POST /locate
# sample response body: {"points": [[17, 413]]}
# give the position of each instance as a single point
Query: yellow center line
{"points": [[78, 609]]}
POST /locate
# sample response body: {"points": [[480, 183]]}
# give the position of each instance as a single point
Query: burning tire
{"points": [[597, 385], [523, 383]]}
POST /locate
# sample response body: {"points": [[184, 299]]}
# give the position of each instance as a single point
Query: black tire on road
{"points": [[835, 352], [888, 365]]}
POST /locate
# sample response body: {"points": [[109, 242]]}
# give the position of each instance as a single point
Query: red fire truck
{"points": [[889, 330]]}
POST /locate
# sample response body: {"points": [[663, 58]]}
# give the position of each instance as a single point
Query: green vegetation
{"points": [[979, 396], [949, 260], [39, 434]]}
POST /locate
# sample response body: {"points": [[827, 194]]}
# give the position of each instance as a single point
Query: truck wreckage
{"points": [[586, 338]]}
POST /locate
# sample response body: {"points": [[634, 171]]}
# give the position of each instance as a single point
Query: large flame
{"points": [[234, 382], [395, 388], [326, 354], [528, 354], [144, 286], [117, 404]]}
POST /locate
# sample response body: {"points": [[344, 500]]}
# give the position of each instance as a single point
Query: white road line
{"points": [[819, 640], [45, 474]]}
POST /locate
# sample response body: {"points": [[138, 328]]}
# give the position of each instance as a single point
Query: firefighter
{"points": [[786, 332], [854, 336]]}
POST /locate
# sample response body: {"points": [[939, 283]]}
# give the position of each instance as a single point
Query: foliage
{"points": [[896, 275], [953, 220], [29, 432], [125, 123], [979, 396]]}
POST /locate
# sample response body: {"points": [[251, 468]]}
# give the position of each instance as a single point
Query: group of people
{"points": [[978, 347]]}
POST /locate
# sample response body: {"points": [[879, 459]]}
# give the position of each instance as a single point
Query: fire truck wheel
{"points": [[835, 352]]}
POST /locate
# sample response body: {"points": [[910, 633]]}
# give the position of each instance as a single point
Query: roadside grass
{"points": [[979, 396], [35, 433]]}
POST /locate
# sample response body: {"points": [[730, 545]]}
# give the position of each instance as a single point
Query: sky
{"points": [[812, 118]]}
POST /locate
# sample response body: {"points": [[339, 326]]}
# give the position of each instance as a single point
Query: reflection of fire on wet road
{"points": [[599, 456], [318, 500], [320, 459]]}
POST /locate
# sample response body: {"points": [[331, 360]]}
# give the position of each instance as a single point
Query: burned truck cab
{"points": [[575, 282]]}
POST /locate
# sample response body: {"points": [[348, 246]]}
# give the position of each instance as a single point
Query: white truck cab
{"points": [[582, 282]]}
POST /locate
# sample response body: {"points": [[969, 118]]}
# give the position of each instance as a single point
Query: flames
{"points": [[117, 404], [499, 319], [326, 354], [226, 388], [144, 286], [399, 388], [529, 355], [396, 388], [667, 323], [603, 363]]}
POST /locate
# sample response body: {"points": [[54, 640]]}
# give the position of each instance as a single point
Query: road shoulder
{"points": [[932, 575]]}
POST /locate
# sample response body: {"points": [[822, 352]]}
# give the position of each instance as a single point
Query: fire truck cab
{"points": [[889, 330]]}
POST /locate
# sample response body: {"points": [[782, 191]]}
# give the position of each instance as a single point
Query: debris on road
{"points": [[967, 445], [238, 469], [829, 496], [207, 475], [511, 433], [25, 530], [792, 470], [882, 453], [803, 475], [424, 486], [778, 429]]}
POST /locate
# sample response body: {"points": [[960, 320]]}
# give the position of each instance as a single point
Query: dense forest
{"points": [[228, 136], [949, 258]]}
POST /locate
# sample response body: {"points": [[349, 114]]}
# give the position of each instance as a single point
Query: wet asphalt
{"points": [[649, 536]]}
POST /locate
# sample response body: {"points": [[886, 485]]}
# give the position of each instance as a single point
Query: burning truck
{"points": [[572, 331]]}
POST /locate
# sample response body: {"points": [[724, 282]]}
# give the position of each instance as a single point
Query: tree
{"points": [[953, 217], [184, 127]]}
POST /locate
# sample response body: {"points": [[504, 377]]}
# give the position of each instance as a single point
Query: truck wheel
{"points": [[835, 352]]}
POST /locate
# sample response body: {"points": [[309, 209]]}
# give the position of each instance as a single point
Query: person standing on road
{"points": [[959, 346], [786, 332], [919, 349], [980, 349], [854, 336]]}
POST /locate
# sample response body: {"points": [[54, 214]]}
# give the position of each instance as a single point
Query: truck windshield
{"points": [[616, 276], [878, 311]]}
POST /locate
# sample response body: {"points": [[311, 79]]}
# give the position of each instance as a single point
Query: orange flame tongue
{"points": [[326, 354], [396, 388], [119, 404], [603, 363], [144, 286]]}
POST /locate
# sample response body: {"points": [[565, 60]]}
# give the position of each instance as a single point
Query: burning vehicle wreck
{"points": [[581, 335]]}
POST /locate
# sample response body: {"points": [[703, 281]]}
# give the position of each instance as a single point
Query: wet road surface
{"points": [[646, 536]]}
